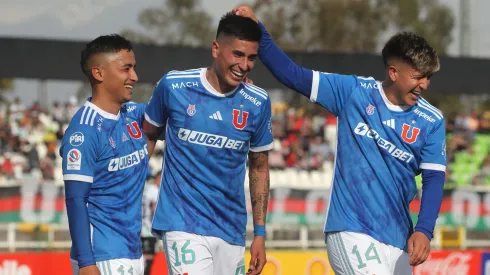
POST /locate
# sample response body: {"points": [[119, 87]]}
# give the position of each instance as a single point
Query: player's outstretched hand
{"points": [[258, 258], [418, 248], [245, 11], [89, 270]]}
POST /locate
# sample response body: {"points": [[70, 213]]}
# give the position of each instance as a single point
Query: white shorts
{"points": [[203, 255], [116, 266], [352, 253]]}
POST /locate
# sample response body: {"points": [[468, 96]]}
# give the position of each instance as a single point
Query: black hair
{"points": [[412, 49], [239, 27], [111, 43]]}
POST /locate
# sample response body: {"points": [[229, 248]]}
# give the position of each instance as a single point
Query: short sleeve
{"points": [[79, 153], [262, 138], [433, 155], [332, 91], [156, 109]]}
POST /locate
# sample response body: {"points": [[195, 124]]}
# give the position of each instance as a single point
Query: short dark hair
{"points": [[414, 50], [239, 27], [111, 43]]}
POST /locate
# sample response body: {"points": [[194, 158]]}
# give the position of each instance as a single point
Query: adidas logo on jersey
{"points": [[390, 123], [124, 137], [216, 116]]}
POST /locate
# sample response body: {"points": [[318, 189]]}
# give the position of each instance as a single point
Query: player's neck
{"points": [[390, 93], [105, 103], [215, 81]]}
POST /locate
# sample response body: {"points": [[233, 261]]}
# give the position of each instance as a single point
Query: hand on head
{"points": [[245, 11]]}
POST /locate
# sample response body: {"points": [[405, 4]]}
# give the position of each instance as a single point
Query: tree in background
{"points": [[348, 26], [344, 26], [177, 22], [428, 18]]}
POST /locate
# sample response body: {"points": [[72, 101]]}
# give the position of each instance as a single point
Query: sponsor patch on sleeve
{"points": [[76, 139], [74, 160]]}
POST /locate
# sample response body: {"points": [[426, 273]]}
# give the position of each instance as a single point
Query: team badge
{"points": [[370, 109], [239, 119], [412, 136], [134, 130], [191, 110]]}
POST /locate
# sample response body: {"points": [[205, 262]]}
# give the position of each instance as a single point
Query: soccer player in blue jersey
{"points": [[387, 134], [105, 161], [213, 120]]}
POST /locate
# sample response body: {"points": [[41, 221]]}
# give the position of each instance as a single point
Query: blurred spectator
{"points": [[48, 162], [17, 109], [7, 167], [58, 113]]}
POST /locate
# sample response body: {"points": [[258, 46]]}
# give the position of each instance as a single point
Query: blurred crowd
{"points": [[30, 138], [304, 139]]}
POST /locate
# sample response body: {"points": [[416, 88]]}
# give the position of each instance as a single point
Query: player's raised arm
{"points": [[156, 115], [329, 90]]}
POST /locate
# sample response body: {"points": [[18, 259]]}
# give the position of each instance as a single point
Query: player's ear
{"points": [[215, 49], [392, 72], [97, 73]]}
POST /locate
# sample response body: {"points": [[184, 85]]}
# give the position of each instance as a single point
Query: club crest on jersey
{"points": [[370, 109], [112, 142], [412, 136], [191, 110], [134, 130], [74, 159], [240, 122]]}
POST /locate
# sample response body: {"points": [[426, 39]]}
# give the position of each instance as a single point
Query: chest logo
{"points": [[370, 109], [409, 133], [240, 119], [134, 130], [191, 110]]}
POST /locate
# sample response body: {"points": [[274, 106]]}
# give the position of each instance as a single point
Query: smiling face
{"points": [[408, 83], [116, 74], [410, 62], [234, 59]]}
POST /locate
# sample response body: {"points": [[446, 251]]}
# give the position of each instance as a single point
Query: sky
{"points": [[87, 19]]}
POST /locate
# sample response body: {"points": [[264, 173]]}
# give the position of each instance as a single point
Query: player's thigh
{"points": [[121, 266], [228, 259], [187, 253], [356, 253], [400, 261]]}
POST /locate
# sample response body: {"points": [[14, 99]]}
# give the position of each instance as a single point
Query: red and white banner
{"points": [[451, 262]]}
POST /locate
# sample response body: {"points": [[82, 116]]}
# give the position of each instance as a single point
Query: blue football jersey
{"points": [[381, 147], [208, 137], [110, 152]]}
